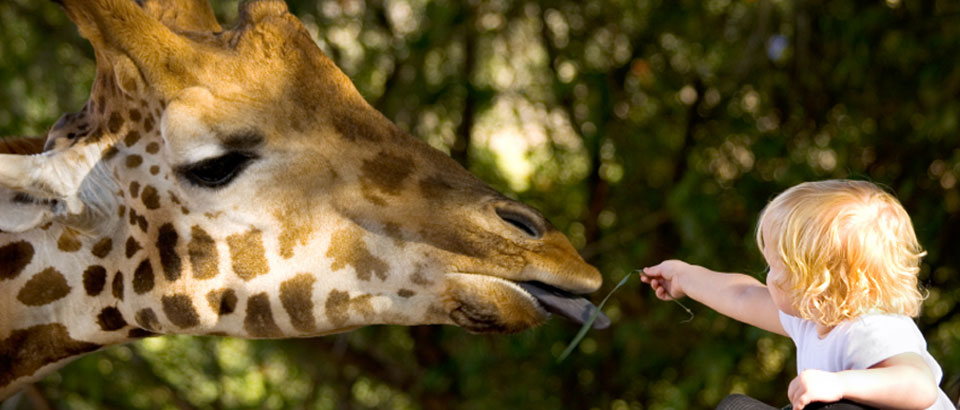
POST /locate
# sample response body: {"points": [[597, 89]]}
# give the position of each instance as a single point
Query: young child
{"points": [[842, 284]]}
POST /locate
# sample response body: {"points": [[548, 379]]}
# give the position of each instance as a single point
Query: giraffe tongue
{"points": [[566, 304]]}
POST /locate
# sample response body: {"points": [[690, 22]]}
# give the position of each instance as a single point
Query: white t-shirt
{"points": [[860, 343]]}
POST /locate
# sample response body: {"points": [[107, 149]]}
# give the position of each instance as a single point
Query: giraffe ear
{"points": [[37, 188], [20, 212]]}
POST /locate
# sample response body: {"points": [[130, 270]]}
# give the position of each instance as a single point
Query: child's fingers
{"points": [[651, 271], [662, 294]]}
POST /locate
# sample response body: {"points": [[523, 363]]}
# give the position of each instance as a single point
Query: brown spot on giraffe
{"points": [[122, 211], [148, 124], [14, 257], [132, 245], [259, 321], [353, 130], [394, 231], [115, 122], [139, 220], [134, 189], [371, 196], [117, 286], [294, 231], [434, 187], [387, 172], [68, 241], [134, 161], [296, 296], [45, 287], [142, 222], [130, 85], [348, 248], [94, 279], [418, 277], [223, 301], [102, 248], [154, 170], [153, 148], [110, 153], [167, 239], [147, 319], [27, 350], [143, 277], [467, 241], [138, 333], [406, 293], [150, 197], [339, 303], [180, 311], [131, 138], [247, 254], [134, 114], [202, 251], [363, 305], [111, 319]]}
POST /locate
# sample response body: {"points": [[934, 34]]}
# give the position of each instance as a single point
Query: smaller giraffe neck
{"points": [[54, 308], [61, 285]]}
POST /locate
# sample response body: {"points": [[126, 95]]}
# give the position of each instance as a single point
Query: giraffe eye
{"points": [[218, 171]]}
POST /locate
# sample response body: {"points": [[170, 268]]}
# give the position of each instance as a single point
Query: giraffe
{"points": [[234, 182]]}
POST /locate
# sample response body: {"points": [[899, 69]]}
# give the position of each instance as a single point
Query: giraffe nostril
{"points": [[530, 225]]}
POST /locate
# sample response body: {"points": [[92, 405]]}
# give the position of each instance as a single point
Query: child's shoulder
{"points": [[881, 324], [874, 337]]}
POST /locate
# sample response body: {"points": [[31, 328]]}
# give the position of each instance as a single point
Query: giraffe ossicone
{"points": [[234, 182]]}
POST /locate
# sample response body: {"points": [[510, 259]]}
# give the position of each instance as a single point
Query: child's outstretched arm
{"points": [[736, 295], [903, 381]]}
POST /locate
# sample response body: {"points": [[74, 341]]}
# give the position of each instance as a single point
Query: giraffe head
{"points": [[235, 182]]}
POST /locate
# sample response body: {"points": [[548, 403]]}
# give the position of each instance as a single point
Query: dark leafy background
{"points": [[644, 129]]}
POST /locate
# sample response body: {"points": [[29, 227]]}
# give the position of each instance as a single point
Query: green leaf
{"points": [[586, 325]]}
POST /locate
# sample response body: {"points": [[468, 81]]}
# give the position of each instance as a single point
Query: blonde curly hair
{"points": [[849, 248]]}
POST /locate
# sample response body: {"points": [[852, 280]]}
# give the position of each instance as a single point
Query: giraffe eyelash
{"points": [[218, 171]]}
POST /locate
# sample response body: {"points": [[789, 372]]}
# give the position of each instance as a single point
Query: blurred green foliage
{"points": [[644, 129]]}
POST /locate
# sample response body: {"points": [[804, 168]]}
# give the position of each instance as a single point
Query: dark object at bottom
{"points": [[741, 402]]}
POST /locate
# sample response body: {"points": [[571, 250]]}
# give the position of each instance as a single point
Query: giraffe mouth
{"points": [[568, 305], [489, 304]]}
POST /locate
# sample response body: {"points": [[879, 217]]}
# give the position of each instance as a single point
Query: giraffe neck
{"points": [[62, 289], [66, 293]]}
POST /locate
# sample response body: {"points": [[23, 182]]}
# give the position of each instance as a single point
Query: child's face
{"points": [[776, 275]]}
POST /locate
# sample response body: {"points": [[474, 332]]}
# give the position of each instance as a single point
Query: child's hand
{"points": [[814, 386], [665, 278]]}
